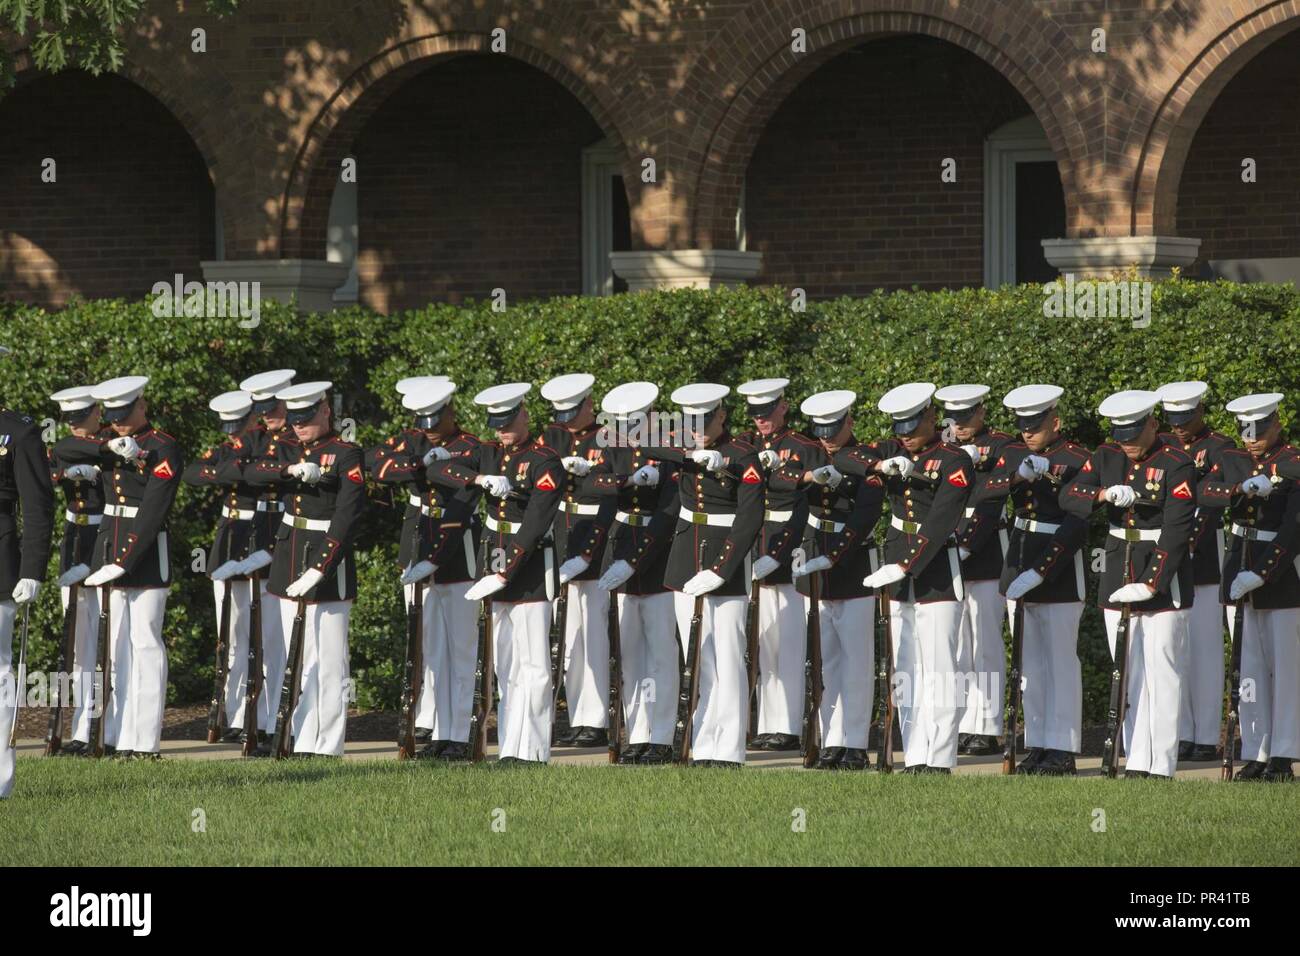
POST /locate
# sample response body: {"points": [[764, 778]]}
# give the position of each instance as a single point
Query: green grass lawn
{"points": [[80, 812]]}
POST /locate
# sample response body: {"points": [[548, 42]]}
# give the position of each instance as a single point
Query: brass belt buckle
{"points": [[699, 517], [910, 527], [299, 523], [81, 519], [1132, 534]]}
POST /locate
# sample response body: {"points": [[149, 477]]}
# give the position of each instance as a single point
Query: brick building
{"points": [[794, 141]]}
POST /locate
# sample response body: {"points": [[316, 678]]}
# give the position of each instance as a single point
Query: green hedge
{"points": [[1237, 337]]}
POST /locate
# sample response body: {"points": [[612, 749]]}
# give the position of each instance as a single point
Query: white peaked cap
{"points": [[405, 385], [1128, 407], [957, 398], [699, 398], [429, 397], [232, 406], [306, 395], [264, 385], [1253, 408], [827, 408], [116, 392], [567, 391], [74, 399], [1181, 396], [623, 401]]}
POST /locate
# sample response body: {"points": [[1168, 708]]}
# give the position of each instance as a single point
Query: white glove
{"points": [[899, 465], [703, 583], [1025, 582], [125, 447], [1121, 495], [1243, 584], [811, 566], [26, 590], [485, 586], [1257, 485], [886, 575], [768, 458], [974, 453], [436, 453], [1133, 593], [498, 486], [1032, 467], [707, 458], [572, 568], [82, 472], [309, 579], [827, 475], [647, 476], [962, 553], [576, 465], [418, 571], [615, 576], [765, 566], [255, 562], [307, 471], [74, 575], [227, 570], [109, 572]]}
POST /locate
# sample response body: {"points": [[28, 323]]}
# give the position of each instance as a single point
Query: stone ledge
{"points": [[1152, 256], [313, 281], [685, 268]]}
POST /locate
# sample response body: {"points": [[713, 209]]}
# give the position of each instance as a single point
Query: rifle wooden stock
{"points": [[412, 674], [1230, 724], [67, 651], [1013, 689], [282, 741], [253, 684], [615, 681], [103, 676], [482, 675], [220, 666], [688, 693], [751, 658], [885, 670], [812, 674], [1118, 683]]}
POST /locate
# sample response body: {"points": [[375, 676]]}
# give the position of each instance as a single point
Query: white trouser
{"points": [[981, 656], [1201, 710], [1270, 683], [782, 635], [848, 671], [648, 643], [139, 663], [1157, 645], [9, 692], [320, 720], [719, 728], [81, 668], [450, 654], [586, 655], [1050, 676], [275, 655], [925, 680], [521, 634]]}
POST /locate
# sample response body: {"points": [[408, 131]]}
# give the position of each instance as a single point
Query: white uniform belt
{"points": [[1252, 534], [573, 508], [700, 517], [238, 514], [84, 518], [907, 527], [822, 524], [306, 524], [1039, 527], [777, 515], [1135, 534], [267, 505], [970, 512], [635, 520], [505, 527], [121, 511]]}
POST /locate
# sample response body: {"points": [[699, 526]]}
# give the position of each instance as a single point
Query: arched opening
{"points": [[125, 203]]}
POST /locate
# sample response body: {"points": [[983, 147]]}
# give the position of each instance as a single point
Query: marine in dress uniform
{"points": [[322, 485], [1043, 570], [1201, 714], [636, 560], [25, 489], [140, 472], [581, 529], [843, 510], [525, 481], [444, 549], [981, 652], [83, 498], [720, 507], [1260, 486], [782, 609], [1148, 488], [928, 482], [222, 468]]}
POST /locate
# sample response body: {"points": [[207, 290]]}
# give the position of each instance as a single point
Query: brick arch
{"points": [[752, 69], [304, 207], [1219, 50]]}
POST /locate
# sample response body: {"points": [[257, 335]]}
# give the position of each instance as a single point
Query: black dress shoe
{"points": [[232, 735], [431, 749], [1135, 774], [1279, 770], [1251, 770], [423, 735], [914, 768], [454, 750], [632, 753], [591, 737], [565, 737], [75, 748], [963, 742], [759, 742], [782, 742], [982, 745], [829, 758], [1185, 749], [721, 764], [855, 758], [1201, 753], [145, 755], [119, 754], [1030, 764], [656, 754], [1056, 763]]}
